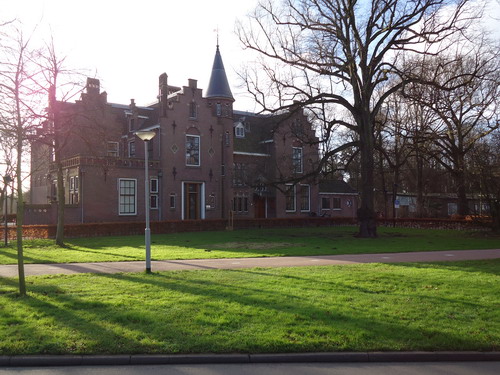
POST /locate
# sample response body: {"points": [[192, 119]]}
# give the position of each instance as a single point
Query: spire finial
{"points": [[217, 31]]}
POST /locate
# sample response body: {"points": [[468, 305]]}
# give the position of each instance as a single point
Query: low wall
{"points": [[159, 227], [457, 224]]}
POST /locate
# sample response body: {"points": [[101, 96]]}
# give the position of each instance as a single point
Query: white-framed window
{"points": [[127, 196], [173, 200], [153, 185], [305, 198], [153, 193], [337, 204], [297, 159], [290, 201], [113, 149], [131, 149], [240, 204], [193, 150], [153, 201], [73, 189], [239, 130]]}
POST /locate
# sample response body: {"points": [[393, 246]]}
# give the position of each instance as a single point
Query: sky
{"points": [[127, 44]]}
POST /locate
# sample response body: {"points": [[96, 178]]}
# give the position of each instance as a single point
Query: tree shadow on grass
{"points": [[304, 311], [27, 258], [154, 318]]}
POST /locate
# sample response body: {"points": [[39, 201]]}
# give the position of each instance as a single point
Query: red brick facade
{"points": [[206, 161]]}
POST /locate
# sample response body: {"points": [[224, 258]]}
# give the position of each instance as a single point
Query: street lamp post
{"points": [[6, 180], [146, 136]]}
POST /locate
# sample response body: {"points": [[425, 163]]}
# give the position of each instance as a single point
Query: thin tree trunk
{"points": [[20, 215], [61, 198]]}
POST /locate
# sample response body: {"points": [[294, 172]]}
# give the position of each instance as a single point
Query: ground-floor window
{"points": [[153, 193], [290, 198], [325, 203], [127, 189], [240, 204], [172, 200], [305, 198], [336, 204], [73, 189]]}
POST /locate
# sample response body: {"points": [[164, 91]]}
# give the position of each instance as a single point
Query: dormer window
{"points": [[239, 130], [131, 124]]}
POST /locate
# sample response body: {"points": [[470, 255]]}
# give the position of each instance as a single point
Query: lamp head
{"points": [[145, 135]]}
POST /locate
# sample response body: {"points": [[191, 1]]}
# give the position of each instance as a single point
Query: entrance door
{"points": [[192, 201], [259, 207]]}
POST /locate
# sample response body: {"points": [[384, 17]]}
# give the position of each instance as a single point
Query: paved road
{"points": [[427, 368], [234, 263]]}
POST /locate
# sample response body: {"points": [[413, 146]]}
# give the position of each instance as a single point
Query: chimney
{"points": [[93, 86], [192, 83], [163, 94]]}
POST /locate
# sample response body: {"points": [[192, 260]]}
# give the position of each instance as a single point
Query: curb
{"points": [[160, 359]]}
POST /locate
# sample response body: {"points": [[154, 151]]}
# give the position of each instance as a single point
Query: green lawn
{"points": [[249, 243], [434, 306]]}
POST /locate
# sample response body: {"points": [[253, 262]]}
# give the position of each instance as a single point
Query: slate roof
{"points": [[335, 186], [259, 130], [218, 86]]}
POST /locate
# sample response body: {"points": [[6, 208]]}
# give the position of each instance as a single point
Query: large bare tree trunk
{"points": [[366, 211], [462, 206]]}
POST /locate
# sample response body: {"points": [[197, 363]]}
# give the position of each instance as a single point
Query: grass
{"points": [[433, 306], [249, 243]]}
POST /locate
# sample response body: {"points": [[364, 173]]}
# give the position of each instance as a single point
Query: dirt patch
{"points": [[251, 245]]}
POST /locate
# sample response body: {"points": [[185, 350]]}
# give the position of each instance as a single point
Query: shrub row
{"points": [[133, 228]]}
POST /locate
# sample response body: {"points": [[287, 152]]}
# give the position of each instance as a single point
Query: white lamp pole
{"points": [[146, 136]]}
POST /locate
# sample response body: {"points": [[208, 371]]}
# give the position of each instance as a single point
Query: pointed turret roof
{"points": [[218, 86]]}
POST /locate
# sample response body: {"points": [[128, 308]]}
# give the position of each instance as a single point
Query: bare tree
{"points": [[339, 53], [57, 80], [18, 107], [466, 114]]}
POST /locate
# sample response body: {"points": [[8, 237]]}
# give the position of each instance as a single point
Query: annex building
{"points": [[206, 160]]}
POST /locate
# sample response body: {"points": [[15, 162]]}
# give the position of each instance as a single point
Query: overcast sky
{"points": [[127, 44]]}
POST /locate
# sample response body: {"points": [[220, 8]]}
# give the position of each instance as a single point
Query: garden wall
{"points": [[157, 227]]}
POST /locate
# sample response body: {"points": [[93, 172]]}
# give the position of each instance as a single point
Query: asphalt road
{"points": [[412, 368]]}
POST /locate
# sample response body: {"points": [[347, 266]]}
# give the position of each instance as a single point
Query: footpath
{"points": [[234, 263]]}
